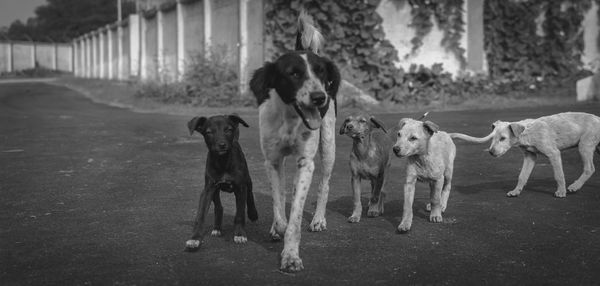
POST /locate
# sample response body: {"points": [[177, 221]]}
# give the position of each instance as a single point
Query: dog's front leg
{"points": [[435, 195], [559, 175], [528, 164], [239, 234], [409, 196], [327, 151], [377, 197], [356, 213], [218, 214], [205, 197], [277, 179], [290, 258]]}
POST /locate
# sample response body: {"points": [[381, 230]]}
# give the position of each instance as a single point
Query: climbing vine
{"points": [[449, 17], [355, 38]]}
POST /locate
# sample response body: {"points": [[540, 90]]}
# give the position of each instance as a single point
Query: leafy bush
{"points": [[32, 72], [207, 81]]}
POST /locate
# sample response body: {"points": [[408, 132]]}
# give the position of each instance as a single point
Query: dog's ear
{"points": [[377, 123], [262, 81], [343, 127], [516, 129], [196, 124], [401, 123], [237, 119], [430, 127]]}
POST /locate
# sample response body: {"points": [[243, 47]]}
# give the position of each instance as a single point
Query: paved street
{"points": [[97, 195]]}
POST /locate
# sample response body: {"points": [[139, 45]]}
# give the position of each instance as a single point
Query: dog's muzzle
{"points": [[310, 115]]}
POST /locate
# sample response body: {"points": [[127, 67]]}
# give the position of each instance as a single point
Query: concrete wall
{"points": [[396, 19], [64, 58], [23, 56], [193, 34], [167, 31], [5, 57], [591, 54], [150, 50], [125, 53], [226, 24]]}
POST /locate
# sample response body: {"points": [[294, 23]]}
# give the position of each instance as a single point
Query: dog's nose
{"points": [[396, 149], [492, 153], [318, 98], [222, 145], [350, 126]]}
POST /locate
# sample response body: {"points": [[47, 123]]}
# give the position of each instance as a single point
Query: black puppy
{"points": [[226, 170]]}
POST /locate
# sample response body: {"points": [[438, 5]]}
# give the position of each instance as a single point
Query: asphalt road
{"points": [[96, 195]]}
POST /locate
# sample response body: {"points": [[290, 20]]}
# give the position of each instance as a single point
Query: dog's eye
{"points": [[412, 138], [228, 130], [502, 138], [208, 132], [295, 74], [362, 120]]}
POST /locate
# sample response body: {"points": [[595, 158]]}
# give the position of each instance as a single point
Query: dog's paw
{"points": [[215, 232], [574, 187], [353, 219], [404, 227], [318, 225], [513, 193], [192, 245], [560, 194], [240, 239], [437, 218], [290, 262]]}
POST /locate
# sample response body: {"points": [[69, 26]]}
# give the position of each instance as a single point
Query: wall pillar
{"points": [[160, 43], [134, 45], [10, 57], [207, 26], [243, 47], [54, 57], [180, 41], [143, 49], [120, 61], [102, 47], [111, 53], [94, 54]]}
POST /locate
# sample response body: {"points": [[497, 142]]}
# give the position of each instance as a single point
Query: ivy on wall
{"points": [[517, 51], [520, 54], [449, 17], [355, 38]]}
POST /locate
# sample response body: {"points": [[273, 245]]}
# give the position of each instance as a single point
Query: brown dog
{"points": [[369, 159]]}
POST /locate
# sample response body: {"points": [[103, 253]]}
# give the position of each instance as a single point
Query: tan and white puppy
{"points": [[547, 135], [369, 160], [430, 155]]}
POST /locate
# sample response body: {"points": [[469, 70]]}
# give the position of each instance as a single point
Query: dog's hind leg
{"points": [[239, 221], [327, 150], [275, 172], [194, 243], [218, 214], [587, 156], [252, 213], [377, 197], [528, 164]]}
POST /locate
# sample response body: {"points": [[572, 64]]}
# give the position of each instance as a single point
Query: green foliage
{"points": [[63, 20], [448, 14], [516, 51], [355, 38], [206, 82], [36, 72]]}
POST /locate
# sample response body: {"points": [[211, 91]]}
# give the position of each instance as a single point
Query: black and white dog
{"points": [[297, 110]]}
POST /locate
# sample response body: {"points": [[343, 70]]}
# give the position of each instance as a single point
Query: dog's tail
{"points": [[308, 36], [471, 138]]}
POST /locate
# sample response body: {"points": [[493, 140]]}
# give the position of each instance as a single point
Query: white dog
{"points": [[430, 156], [297, 109], [547, 135]]}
